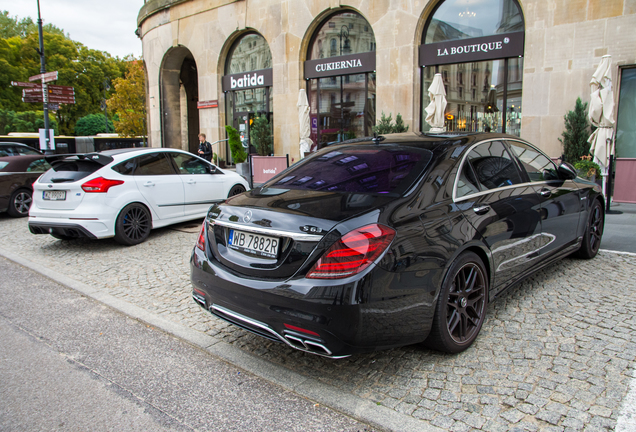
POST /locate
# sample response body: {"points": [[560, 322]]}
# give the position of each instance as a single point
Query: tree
{"points": [[236, 147], [386, 126], [93, 124], [261, 136], [129, 100], [78, 66], [576, 133], [25, 121]]}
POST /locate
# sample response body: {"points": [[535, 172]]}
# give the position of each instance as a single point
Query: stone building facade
{"points": [[358, 59]]}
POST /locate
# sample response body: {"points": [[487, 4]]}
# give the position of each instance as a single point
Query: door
{"points": [[503, 209], [201, 188], [560, 199], [160, 185]]}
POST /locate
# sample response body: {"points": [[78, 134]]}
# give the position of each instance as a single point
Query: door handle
{"points": [[480, 210], [149, 183], [545, 192], [191, 181]]}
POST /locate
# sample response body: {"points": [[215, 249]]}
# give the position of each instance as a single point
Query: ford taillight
{"points": [[353, 253], [100, 185]]}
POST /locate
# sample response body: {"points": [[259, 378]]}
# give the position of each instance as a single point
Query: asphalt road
{"points": [[70, 363]]}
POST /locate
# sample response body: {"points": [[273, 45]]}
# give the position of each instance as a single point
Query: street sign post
{"points": [[45, 77]]}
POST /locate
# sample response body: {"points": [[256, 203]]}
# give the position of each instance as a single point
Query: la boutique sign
{"points": [[254, 79], [474, 49]]}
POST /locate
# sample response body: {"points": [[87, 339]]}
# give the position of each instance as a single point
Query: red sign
{"points": [[23, 84], [266, 167], [61, 92], [32, 91], [45, 77], [208, 104], [32, 99]]}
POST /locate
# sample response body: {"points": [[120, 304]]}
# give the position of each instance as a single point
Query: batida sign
{"points": [[254, 79], [473, 49]]}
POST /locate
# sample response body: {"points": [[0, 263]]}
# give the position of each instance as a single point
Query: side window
{"points": [[38, 165], [126, 167], [493, 165], [467, 182], [187, 164], [538, 166], [153, 164]]}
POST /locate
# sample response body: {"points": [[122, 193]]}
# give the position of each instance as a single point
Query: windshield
{"points": [[375, 169]]}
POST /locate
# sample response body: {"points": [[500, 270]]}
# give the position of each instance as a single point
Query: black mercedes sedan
{"points": [[377, 243]]}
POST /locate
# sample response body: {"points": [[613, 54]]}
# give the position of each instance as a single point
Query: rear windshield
{"points": [[376, 169], [69, 171]]}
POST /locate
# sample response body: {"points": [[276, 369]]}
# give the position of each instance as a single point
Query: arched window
{"points": [[247, 84], [485, 39], [253, 46], [341, 90]]}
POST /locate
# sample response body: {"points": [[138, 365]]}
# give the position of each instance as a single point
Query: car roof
{"points": [[428, 140], [20, 163]]}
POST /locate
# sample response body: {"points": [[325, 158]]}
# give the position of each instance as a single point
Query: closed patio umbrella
{"points": [[304, 123], [601, 115], [435, 109]]}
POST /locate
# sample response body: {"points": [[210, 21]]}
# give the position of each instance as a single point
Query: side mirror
{"points": [[211, 169], [567, 171]]}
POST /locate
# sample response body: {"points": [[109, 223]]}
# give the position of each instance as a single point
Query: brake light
{"points": [[100, 185], [300, 329], [201, 240], [353, 253]]}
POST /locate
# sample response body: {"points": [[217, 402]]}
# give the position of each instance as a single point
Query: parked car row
{"points": [[365, 245]]}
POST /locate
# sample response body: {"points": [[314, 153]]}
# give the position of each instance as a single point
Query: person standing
{"points": [[205, 148]]}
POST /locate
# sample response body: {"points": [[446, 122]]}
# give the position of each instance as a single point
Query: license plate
{"points": [[256, 244], [54, 195]]}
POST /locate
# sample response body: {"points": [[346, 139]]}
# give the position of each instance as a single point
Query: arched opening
{"points": [[478, 49], [179, 96], [247, 84], [340, 71]]}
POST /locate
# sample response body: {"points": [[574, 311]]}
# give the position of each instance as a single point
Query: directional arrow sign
{"points": [[32, 91], [61, 99], [23, 84], [32, 99], [55, 91], [61, 87], [45, 77]]}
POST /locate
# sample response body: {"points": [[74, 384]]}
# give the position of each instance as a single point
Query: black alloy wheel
{"points": [[236, 189], [461, 306], [20, 203], [133, 225], [593, 232]]}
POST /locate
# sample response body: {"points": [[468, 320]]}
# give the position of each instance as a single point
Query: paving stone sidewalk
{"points": [[555, 354]]}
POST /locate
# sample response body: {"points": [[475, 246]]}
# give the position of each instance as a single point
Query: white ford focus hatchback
{"points": [[125, 193]]}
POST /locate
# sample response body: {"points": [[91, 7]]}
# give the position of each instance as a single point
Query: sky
{"points": [[102, 25]]}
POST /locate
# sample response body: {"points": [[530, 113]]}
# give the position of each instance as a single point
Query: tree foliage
{"points": [[261, 136], [576, 133], [236, 147], [386, 125], [129, 100], [78, 66], [93, 124], [25, 121]]}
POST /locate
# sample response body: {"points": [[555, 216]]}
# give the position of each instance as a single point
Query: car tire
{"points": [[236, 189], [461, 305], [133, 225], [20, 203], [593, 232]]}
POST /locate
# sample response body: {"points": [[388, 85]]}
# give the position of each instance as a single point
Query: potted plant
{"points": [[221, 163], [238, 152], [215, 158], [587, 168], [261, 136]]}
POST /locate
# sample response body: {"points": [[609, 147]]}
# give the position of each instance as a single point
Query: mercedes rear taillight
{"points": [[354, 252], [201, 240]]}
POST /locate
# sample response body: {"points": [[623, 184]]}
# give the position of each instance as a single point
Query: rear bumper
{"points": [[68, 230], [327, 318]]}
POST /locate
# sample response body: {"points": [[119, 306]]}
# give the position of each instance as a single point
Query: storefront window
{"points": [[341, 90], [625, 124], [461, 19], [247, 84], [483, 72]]}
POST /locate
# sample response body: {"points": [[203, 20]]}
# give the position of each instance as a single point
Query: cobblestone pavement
{"points": [[555, 354]]}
